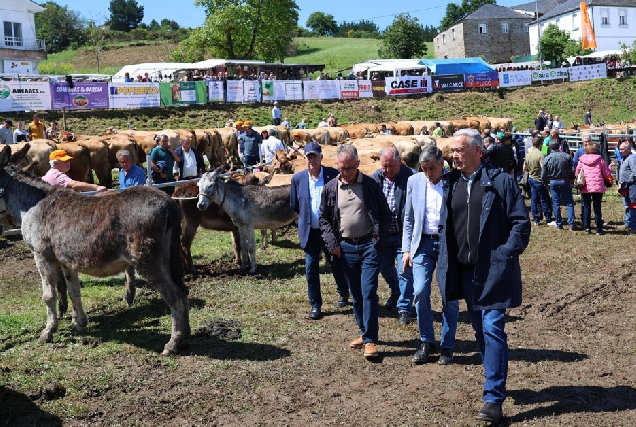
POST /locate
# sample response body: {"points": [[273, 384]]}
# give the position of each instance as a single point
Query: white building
{"points": [[613, 21], [20, 51]]}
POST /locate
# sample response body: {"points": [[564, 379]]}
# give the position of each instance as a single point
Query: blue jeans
{"points": [[400, 282], [314, 246], [361, 265], [632, 218], [250, 160], [424, 261], [627, 212], [589, 200], [561, 190], [491, 340], [538, 193]]}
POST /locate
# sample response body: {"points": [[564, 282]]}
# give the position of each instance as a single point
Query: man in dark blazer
{"points": [[306, 192]]}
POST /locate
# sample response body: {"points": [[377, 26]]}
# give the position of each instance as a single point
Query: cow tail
{"points": [[176, 263]]}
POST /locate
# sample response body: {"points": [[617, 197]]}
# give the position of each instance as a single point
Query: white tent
{"points": [[154, 69], [393, 65]]}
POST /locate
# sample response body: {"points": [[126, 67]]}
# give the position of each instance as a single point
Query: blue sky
{"points": [[186, 14]]}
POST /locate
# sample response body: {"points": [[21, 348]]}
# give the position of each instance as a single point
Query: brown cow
{"points": [[100, 160], [334, 134]]}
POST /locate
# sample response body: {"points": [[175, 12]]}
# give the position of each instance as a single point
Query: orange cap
{"points": [[60, 155]]}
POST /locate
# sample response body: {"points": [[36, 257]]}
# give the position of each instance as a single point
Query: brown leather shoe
{"points": [[357, 343], [370, 350]]}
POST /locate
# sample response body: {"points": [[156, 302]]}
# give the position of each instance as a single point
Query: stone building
{"points": [[495, 33]]}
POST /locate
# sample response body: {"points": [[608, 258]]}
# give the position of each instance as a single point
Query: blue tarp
{"points": [[457, 65]]}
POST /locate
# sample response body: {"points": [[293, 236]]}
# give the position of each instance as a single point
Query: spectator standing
{"points": [[627, 177], [596, 172], [270, 146], [332, 121], [587, 118], [20, 134], [425, 197], [438, 131], [489, 282], [354, 217], [393, 177], [162, 159], [424, 130], [557, 124], [36, 129], [53, 132], [539, 122], [557, 173], [623, 151], [191, 163], [6, 135], [286, 124], [305, 197], [57, 176], [301, 124], [250, 146], [130, 175], [323, 123], [276, 114], [384, 130], [539, 195], [127, 78]]}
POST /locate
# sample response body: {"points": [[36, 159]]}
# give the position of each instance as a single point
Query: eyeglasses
{"points": [[347, 170]]}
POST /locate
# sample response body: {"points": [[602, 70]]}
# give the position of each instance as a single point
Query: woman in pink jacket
{"points": [[596, 173]]}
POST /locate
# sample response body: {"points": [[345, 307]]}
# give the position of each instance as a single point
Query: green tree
{"points": [[242, 29], [154, 25], [125, 15], [557, 45], [368, 28], [58, 26], [404, 38], [629, 52], [457, 12], [322, 23], [169, 25]]}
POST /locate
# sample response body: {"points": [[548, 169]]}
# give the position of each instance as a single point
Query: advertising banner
{"points": [[23, 95], [215, 91], [282, 90], [588, 72], [515, 78], [551, 74], [235, 91], [448, 82], [82, 95], [365, 89], [481, 80], [133, 95], [251, 91], [177, 93], [348, 89], [321, 89], [407, 85]]}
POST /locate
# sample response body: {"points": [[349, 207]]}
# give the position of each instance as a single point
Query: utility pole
{"points": [[536, 6]]}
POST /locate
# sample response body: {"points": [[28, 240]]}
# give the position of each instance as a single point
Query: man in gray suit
{"points": [[425, 195]]}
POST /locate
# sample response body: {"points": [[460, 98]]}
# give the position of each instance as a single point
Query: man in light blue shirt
{"points": [[130, 175]]}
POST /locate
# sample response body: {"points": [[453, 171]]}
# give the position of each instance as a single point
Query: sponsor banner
{"points": [[515, 78], [481, 80], [588, 72], [551, 74], [282, 90], [215, 91], [447, 82], [321, 89], [251, 91], [348, 89], [23, 95], [407, 85], [235, 91], [82, 95], [379, 89], [18, 67], [133, 95], [177, 93], [365, 88]]}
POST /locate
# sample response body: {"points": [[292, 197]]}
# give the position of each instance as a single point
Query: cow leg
{"points": [[236, 246], [74, 293], [130, 285], [49, 274], [264, 239]]}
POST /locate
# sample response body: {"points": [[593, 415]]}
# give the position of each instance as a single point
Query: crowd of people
{"points": [[26, 133]]}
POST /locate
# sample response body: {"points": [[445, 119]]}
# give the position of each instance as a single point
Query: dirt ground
{"points": [[572, 354]]}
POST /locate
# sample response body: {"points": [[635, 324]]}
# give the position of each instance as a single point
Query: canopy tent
{"points": [[601, 54], [395, 66], [457, 65], [155, 70]]}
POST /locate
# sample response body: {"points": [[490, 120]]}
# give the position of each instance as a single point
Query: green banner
{"points": [[183, 93]]}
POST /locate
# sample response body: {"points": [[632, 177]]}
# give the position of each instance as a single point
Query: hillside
{"points": [[609, 99]]}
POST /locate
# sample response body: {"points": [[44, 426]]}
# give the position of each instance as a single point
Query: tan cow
{"points": [[100, 160], [498, 123], [446, 126], [361, 130], [38, 152], [484, 123], [334, 134], [80, 163], [401, 128], [230, 144]]}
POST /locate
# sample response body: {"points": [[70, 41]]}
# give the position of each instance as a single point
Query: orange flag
{"points": [[588, 40]]}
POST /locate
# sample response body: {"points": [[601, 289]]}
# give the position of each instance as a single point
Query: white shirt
{"points": [[189, 163], [323, 124], [269, 147], [276, 112], [434, 198], [316, 186]]}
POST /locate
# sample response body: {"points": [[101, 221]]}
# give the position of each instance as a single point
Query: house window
{"points": [[443, 38], [483, 28], [526, 27], [622, 17], [453, 34], [605, 17], [505, 28], [576, 21], [437, 41], [12, 34]]}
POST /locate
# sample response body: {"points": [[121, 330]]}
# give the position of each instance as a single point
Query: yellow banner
{"points": [[588, 39]]}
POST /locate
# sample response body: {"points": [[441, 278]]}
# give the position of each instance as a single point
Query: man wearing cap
{"points": [[57, 176], [250, 145], [276, 114], [162, 159], [6, 135], [130, 175], [305, 196], [37, 130]]}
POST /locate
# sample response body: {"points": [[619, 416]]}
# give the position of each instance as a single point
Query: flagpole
{"points": [[536, 5]]}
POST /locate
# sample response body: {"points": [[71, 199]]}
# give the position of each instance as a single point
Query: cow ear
{"points": [[18, 155]]}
